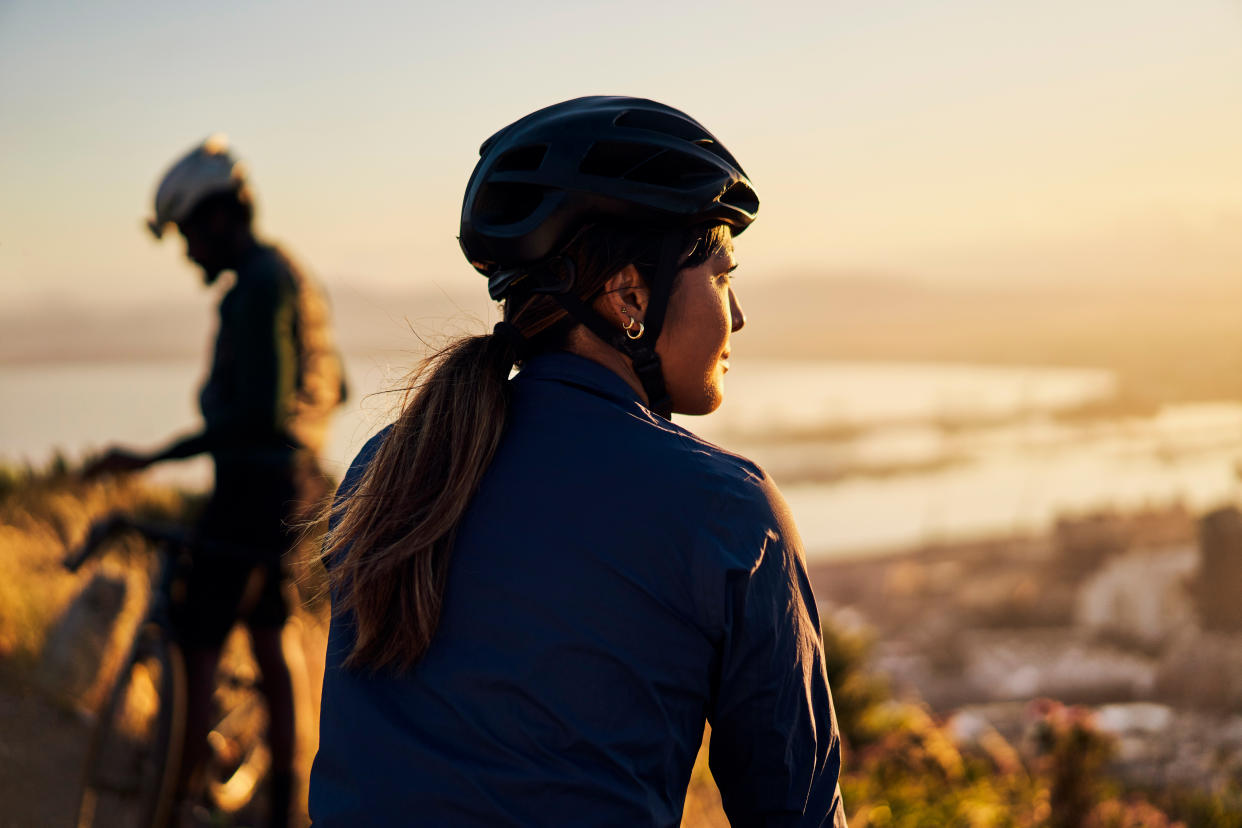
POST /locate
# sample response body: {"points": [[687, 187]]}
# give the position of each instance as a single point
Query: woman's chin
{"points": [[707, 400]]}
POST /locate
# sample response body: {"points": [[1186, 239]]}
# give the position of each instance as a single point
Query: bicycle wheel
{"points": [[239, 758], [134, 755]]}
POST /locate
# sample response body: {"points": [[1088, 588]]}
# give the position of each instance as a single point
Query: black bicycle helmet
{"points": [[601, 158]]}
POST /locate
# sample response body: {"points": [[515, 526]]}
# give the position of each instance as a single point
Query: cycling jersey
{"points": [[275, 374], [616, 582]]}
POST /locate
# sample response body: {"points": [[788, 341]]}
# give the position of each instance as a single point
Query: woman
{"points": [[542, 587]]}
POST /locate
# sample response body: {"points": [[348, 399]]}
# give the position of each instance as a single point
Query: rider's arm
{"points": [[775, 749], [182, 447]]}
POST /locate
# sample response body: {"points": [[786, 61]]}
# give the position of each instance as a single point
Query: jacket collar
{"points": [[571, 369]]}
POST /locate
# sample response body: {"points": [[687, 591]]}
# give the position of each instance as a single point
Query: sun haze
{"points": [[949, 140]]}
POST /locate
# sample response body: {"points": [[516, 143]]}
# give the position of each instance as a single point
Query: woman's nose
{"points": [[735, 312]]}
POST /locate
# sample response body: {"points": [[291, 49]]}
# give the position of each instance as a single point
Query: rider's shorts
{"points": [[217, 594], [254, 511]]}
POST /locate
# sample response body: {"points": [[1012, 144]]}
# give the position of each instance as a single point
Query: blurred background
{"points": [[992, 354]]}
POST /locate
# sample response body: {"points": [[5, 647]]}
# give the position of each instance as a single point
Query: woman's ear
{"points": [[624, 290]]}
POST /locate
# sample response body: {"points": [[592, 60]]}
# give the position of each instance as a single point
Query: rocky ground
{"points": [[1109, 612], [42, 750]]}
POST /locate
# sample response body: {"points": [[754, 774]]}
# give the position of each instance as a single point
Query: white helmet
{"points": [[206, 170]]}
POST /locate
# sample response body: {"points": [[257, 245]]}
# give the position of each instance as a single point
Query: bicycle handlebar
{"points": [[108, 527]]}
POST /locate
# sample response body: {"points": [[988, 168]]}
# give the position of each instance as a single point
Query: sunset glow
{"points": [[946, 141]]}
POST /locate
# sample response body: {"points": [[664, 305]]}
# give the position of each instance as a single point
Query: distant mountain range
{"points": [[1165, 340]]}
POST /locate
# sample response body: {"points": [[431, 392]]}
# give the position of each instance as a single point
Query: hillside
{"points": [[1166, 341]]}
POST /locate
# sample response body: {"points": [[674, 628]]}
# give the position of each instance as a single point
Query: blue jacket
{"points": [[616, 582]]}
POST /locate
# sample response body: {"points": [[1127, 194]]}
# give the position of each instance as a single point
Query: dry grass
{"points": [[42, 516]]}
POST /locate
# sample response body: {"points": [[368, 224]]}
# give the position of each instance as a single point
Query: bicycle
{"points": [[133, 762]]}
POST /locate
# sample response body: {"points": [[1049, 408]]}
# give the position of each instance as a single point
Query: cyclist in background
{"points": [[275, 379]]}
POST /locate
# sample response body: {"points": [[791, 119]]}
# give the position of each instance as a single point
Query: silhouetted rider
{"points": [[275, 378]]}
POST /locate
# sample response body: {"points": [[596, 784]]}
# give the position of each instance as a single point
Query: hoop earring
{"points": [[633, 328]]}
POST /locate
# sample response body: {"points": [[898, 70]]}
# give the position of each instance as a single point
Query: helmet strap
{"points": [[662, 285], [641, 351]]}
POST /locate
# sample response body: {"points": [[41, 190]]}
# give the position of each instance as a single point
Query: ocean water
{"points": [[79, 409], [871, 456]]}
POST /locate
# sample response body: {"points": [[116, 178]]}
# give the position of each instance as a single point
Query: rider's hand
{"points": [[117, 461]]}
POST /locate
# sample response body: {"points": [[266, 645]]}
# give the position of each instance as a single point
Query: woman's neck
{"points": [[586, 344]]}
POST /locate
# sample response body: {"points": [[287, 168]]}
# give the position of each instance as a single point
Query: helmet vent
{"points": [[741, 196], [674, 169], [613, 159], [718, 151], [522, 159], [502, 203], [647, 165], [664, 122]]}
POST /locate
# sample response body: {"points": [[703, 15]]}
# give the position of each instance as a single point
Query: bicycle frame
{"points": [[156, 639]]}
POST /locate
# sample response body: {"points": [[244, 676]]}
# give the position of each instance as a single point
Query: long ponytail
{"points": [[388, 553]]}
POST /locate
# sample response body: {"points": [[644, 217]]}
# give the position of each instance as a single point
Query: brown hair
{"points": [[388, 554]]}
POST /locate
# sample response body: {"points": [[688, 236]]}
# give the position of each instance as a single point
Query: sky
{"points": [[951, 141]]}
